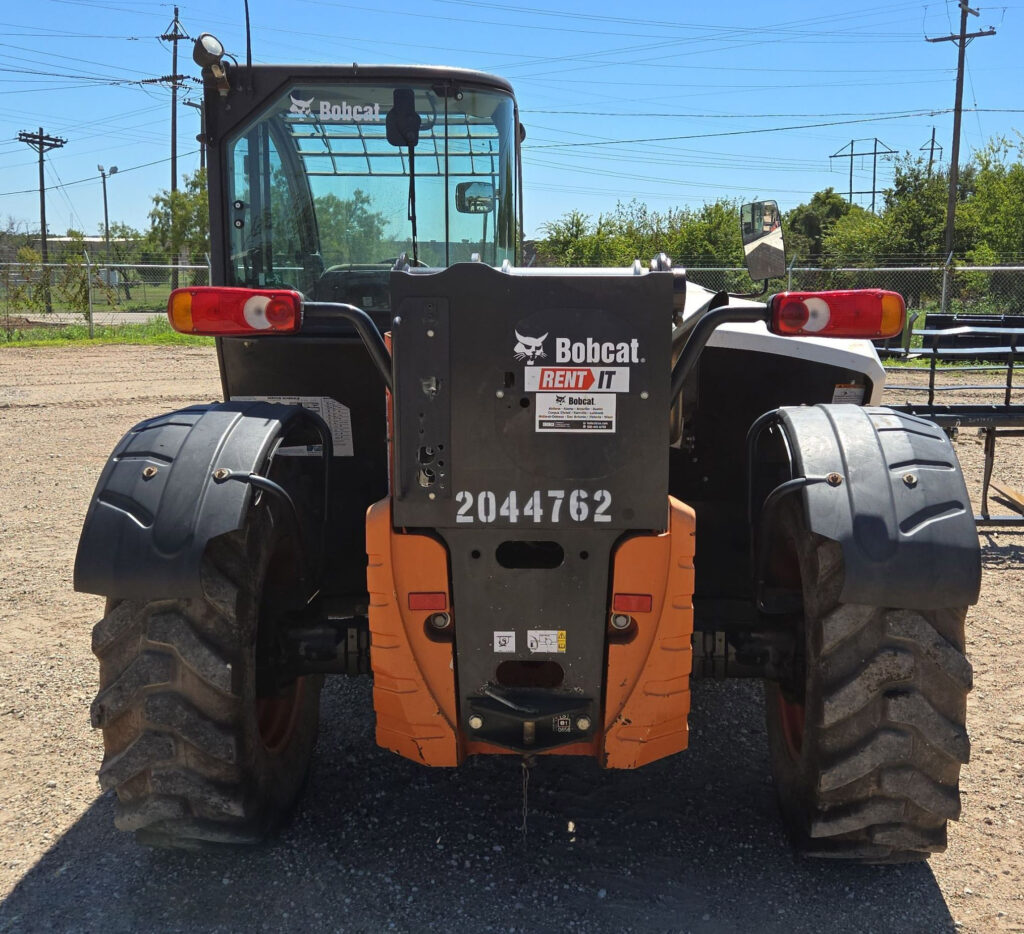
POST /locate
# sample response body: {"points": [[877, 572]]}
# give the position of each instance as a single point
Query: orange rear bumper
{"points": [[647, 681]]}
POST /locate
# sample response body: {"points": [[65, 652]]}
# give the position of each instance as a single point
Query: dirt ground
{"points": [[688, 844]]}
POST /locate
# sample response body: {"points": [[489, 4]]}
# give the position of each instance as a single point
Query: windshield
{"points": [[317, 189]]}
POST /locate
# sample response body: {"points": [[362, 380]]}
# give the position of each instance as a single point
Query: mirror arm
{"points": [[699, 335], [758, 294]]}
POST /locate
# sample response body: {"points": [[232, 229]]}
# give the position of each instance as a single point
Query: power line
{"points": [[92, 178], [776, 129], [719, 116]]}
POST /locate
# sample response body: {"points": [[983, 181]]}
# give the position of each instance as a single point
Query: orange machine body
{"points": [[647, 674]]}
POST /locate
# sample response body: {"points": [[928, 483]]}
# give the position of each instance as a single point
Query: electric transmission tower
{"points": [[878, 148], [931, 146]]}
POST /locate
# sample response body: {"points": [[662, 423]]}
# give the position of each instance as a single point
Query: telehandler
{"points": [[532, 503]]}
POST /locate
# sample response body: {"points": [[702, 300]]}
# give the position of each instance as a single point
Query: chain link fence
{"points": [[949, 289], [81, 291]]}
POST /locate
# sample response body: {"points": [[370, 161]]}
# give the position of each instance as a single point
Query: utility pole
{"points": [[42, 143], [961, 39], [931, 147], [201, 138], [878, 148], [106, 217], [174, 35]]}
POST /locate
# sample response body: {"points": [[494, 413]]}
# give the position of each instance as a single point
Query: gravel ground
{"points": [[692, 843]]}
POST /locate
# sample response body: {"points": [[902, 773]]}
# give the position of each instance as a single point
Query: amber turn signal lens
{"points": [[179, 311]]}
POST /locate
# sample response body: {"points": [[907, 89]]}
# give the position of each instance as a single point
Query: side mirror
{"points": [[474, 197], [763, 249]]}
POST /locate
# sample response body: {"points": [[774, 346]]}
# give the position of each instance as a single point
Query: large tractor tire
{"points": [[196, 746], [867, 740]]}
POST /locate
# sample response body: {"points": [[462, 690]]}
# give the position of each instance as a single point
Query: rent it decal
{"points": [[582, 378]]}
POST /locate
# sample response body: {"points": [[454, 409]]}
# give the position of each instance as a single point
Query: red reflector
{"points": [[868, 313], [220, 311], [793, 315], [428, 601], [632, 603]]}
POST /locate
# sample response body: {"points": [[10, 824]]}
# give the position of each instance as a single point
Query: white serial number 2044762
{"points": [[555, 505]]}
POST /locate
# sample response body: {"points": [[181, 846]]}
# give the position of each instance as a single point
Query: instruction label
{"points": [[504, 642], [585, 413], [850, 393], [546, 640], [337, 416]]}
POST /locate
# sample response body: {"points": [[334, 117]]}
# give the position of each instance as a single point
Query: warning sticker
{"points": [[587, 413], [337, 416], [504, 642], [848, 392], [580, 378], [546, 640]]}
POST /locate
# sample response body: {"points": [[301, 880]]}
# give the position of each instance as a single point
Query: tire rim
{"points": [[278, 716], [792, 717]]}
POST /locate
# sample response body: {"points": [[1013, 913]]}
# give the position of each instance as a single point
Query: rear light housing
{"points": [[868, 313], [223, 312]]}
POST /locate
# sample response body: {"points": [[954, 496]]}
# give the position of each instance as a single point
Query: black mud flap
{"points": [[157, 503], [888, 488]]}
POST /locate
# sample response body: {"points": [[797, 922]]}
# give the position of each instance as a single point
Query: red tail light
{"points": [[223, 311], [871, 313]]}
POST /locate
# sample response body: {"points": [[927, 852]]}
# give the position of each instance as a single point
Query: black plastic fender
{"points": [[897, 504], [157, 504]]}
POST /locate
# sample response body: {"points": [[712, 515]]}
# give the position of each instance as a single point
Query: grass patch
{"points": [[943, 363], [157, 331]]}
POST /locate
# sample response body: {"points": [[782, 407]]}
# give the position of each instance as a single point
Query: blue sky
{"points": [[675, 108]]}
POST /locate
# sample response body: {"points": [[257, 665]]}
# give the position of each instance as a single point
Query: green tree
{"points": [[71, 285], [349, 231], [126, 243], [915, 212], [708, 235], [857, 237], [180, 221], [571, 241], [807, 225], [995, 208]]}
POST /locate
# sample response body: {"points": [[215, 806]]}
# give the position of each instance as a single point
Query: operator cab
{"points": [[321, 179], [342, 174]]}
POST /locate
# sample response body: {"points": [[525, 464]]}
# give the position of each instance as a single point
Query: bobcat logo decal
{"points": [[302, 108], [529, 349]]}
